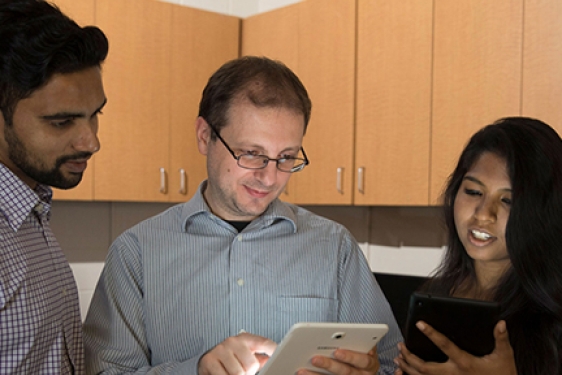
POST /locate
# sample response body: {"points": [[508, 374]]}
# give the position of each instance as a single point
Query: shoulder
{"points": [[310, 221], [168, 221]]}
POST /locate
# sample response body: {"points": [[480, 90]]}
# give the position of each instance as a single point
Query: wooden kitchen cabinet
{"points": [[161, 56], [393, 121], [542, 62], [327, 68], [476, 75], [275, 34], [201, 42], [135, 133], [316, 38], [83, 13]]}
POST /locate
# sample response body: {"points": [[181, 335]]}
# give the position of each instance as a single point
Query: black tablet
{"points": [[466, 322]]}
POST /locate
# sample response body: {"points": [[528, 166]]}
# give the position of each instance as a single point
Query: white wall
{"points": [[239, 8]]}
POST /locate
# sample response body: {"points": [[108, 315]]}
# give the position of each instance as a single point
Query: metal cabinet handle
{"points": [[183, 181], [163, 185], [339, 179], [361, 180]]}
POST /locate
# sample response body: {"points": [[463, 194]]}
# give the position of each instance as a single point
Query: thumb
{"points": [[502, 337], [259, 344], [262, 359]]}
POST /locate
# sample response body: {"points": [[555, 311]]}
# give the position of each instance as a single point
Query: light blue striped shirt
{"points": [[179, 283]]}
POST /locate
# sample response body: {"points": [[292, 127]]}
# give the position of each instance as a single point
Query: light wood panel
{"points": [[201, 43], [275, 34], [327, 69], [393, 101], [83, 13], [476, 76], [542, 62], [135, 131]]}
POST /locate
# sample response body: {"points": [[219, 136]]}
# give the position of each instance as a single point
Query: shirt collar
{"points": [[275, 212], [17, 199]]}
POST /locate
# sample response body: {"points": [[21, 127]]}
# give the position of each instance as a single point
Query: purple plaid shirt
{"points": [[40, 326]]}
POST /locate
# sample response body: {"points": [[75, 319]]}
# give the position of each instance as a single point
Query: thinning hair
{"points": [[259, 80]]}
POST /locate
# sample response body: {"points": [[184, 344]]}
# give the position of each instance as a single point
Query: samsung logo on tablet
{"points": [[328, 347]]}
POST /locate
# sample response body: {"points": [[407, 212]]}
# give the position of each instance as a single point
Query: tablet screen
{"points": [[466, 322]]}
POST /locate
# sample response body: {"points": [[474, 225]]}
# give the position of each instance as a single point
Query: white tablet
{"points": [[305, 340]]}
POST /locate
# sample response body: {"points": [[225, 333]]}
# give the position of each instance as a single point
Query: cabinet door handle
{"points": [[361, 180], [339, 179], [163, 185], [183, 181]]}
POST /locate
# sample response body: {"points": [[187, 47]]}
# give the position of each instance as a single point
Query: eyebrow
{"points": [[262, 149], [63, 115], [477, 181]]}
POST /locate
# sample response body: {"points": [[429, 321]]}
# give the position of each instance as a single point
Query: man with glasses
{"points": [[210, 286]]}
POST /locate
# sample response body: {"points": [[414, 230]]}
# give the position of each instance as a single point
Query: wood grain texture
{"points": [[542, 62], [476, 76], [392, 140], [135, 131], [327, 69], [275, 34], [201, 42]]}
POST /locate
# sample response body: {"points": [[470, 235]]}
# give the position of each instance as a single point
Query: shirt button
{"points": [[240, 282], [64, 291], [240, 238]]}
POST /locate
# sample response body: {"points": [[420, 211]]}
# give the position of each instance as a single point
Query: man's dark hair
{"points": [[261, 81], [37, 41]]}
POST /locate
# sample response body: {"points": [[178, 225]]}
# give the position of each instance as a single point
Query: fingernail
{"points": [[420, 326], [339, 355], [502, 327], [317, 361]]}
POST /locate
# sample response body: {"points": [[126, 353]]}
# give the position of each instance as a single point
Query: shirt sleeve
{"points": [[115, 336], [362, 301]]}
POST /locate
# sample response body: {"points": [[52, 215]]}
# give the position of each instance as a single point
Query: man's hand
{"points": [[244, 354], [346, 362], [500, 362]]}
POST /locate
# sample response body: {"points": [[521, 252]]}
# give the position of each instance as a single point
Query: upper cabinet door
{"points": [[476, 77], [132, 164], [394, 56], [542, 62], [326, 66], [275, 34], [83, 13], [201, 43]]}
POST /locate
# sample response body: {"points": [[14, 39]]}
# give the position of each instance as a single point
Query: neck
{"points": [[488, 276]]}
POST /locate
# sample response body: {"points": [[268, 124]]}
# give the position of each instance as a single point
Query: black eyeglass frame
{"points": [[298, 168]]}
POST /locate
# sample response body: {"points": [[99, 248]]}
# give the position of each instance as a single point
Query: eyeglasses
{"points": [[250, 161]]}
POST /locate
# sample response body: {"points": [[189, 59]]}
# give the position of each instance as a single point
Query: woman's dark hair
{"points": [[37, 41], [261, 81], [530, 292]]}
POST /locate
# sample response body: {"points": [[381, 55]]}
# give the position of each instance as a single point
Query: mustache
{"points": [[77, 156]]}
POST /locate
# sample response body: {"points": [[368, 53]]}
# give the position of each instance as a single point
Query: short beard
{"points": [[19, 155]]}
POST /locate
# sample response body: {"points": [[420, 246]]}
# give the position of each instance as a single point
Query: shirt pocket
{"points": [[291, 310]]}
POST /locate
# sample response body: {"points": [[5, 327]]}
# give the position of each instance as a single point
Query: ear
{"points": [[203, 133]]}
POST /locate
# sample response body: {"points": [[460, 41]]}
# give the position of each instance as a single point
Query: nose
{"points": [[86, 138], [268, 175], [486, 210]]}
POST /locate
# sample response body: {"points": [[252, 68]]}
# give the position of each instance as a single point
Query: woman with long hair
{"points": [[503, 213]]}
